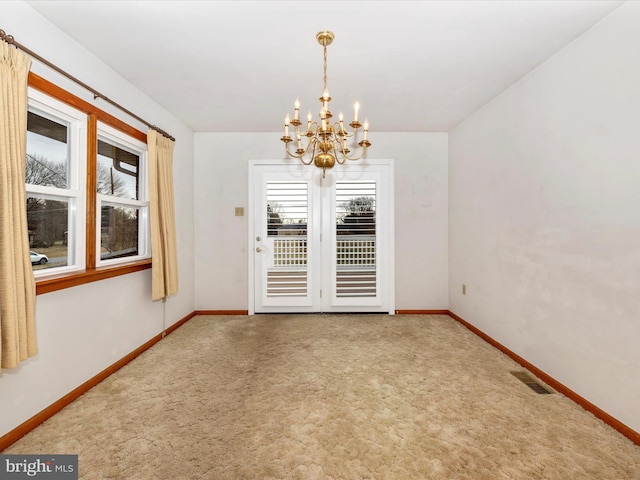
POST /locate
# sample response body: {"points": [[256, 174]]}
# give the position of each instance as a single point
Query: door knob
{"points": [[258, 249]]}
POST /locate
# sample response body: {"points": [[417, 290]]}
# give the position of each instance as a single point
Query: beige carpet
{"points": [[329, 397]]}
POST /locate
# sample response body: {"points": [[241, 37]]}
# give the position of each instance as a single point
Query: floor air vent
{"points": [[531, 382]]}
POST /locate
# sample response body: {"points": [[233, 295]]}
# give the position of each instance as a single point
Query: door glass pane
{"points": [[287, 217], [47, 152], [356, 239], [48, 224], [286, 208]]}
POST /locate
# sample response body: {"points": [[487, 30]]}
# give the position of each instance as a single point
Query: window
{"points": [[86, 183], [122, 206], [55, 177]]}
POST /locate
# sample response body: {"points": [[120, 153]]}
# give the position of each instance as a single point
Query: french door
{"points": [[321, 244]]}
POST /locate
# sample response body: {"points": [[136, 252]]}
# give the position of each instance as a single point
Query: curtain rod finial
{"points": [[7, 38]]}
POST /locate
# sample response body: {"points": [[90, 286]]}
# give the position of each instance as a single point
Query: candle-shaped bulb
{"points": [[356, 107], [297, 109], [325, 99]]}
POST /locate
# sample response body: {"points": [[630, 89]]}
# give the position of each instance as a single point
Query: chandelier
{"points": [[326, 142]]}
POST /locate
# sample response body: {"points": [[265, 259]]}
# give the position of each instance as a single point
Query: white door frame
{"points": [[386, 235]]}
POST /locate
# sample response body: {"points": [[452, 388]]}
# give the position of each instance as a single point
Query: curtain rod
{"points": [[96, 95]]}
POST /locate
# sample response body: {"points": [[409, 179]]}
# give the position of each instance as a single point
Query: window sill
{"points": [[54, 283]]}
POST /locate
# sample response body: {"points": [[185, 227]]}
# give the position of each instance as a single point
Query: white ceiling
{"points": [[238, 66]]}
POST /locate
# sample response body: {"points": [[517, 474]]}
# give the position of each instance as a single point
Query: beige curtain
{"points": [[163, 220], [17, 285]]}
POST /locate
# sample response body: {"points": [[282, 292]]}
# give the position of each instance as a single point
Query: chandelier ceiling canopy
{"points": [[326, 143]]}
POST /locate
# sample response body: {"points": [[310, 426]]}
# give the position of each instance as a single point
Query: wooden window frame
{"points": [[91, 273]]}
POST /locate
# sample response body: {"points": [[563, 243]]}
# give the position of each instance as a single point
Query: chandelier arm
{"points": [[347, 157], [337, 127], [313, 129], [348, 135], [314, 141], [295, 155], [310, 140]]}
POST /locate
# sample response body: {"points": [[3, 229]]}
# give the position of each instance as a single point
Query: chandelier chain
{"points": [[325, 67]]}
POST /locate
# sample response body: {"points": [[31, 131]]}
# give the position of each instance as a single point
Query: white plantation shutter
{"points": [[356, 239], [287, 217]]}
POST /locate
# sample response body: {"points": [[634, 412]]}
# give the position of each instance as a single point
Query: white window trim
{"points": [[75, 193], [115, 137]]}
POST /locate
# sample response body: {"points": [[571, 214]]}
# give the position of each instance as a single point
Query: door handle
{"points": [[258, 249]]}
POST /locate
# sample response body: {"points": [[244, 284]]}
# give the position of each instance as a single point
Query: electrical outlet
{"points": [[464, 289], [239, 212]]}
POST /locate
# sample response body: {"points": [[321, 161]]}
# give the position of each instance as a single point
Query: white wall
{"points": [[83, 330], [421, 223], [545, 216], [221, 183]]}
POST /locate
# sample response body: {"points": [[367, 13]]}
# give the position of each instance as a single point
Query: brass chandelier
{"points": [[326, 142]]}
